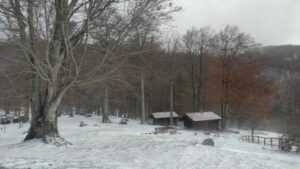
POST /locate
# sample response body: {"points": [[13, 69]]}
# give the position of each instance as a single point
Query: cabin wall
{"points": [[204, 125], [200, 125], [213, 125], [188, 123], [164, 121]]}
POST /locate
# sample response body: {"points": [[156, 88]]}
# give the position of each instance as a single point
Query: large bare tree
{"points": [[54, 36], [229, 43], [197, 45], [43, 31]]}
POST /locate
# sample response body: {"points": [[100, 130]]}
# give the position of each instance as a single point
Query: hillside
{"points": [[285, 57]]}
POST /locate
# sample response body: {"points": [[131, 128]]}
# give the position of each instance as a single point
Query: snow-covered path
{"points": [[113, 146]]}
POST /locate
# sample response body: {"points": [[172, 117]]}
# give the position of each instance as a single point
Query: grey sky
{"points": [[270, 22]]}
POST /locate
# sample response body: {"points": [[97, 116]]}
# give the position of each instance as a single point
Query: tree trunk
{"points": [[171, 103], [44, 126], [44, 122], [105, 114], [252, 129], [26, 112], [142, 98], [194, 89], [200, 84], [223, 105], [172, 92], [77, 108], [7, 111], [136, 108], [225, 97], [35, 130]]}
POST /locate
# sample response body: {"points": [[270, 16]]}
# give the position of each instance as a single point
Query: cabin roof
{"points": [[161, 115], [203, 116]]}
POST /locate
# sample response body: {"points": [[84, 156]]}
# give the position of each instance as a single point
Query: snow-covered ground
{"points": [[114, 146]]}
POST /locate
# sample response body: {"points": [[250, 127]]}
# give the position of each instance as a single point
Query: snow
{"points": [[205, 116], [114, 146], [160, 115]]}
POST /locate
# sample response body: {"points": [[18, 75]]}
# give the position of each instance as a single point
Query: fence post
{"points": [[271, 142]]}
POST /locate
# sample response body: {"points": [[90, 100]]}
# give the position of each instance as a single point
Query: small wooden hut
{"points": [[163, 118], [202, 120]]}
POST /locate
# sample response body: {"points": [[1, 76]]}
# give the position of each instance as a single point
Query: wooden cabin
{"points": [[202, 120], [163, 118]]}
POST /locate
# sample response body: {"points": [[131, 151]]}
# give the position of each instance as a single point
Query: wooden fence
{"points": [[282, 143]]}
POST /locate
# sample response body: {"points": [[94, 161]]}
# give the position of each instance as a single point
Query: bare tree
{"points": [[41, 28], [142, 36], [229, 43], [139, 19], [190, 48], [45, 32], [172, 48], [197, 45]]}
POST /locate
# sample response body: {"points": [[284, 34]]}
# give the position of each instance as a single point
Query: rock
{"points": [[82, 124], [216, 135], [208, 142], [106, 121], [172, 131], [88, 115], [162, 130], [194, 142], [123, 121]]}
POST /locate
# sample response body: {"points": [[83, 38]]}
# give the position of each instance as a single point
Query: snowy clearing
{"points": [[114, 146]]}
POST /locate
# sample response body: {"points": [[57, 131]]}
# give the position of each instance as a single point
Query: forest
{"points": [[109, 57], [149, 84]]}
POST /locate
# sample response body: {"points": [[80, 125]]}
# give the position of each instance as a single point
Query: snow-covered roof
{"points": [[160, 115], [204, 116]]}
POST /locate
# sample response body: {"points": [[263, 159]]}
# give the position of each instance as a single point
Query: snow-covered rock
{"points": [[208, 142]]}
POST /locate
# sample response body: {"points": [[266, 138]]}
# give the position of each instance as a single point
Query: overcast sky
{"points": [[270, 22]]}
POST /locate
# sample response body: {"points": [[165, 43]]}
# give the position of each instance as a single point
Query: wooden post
{"points": [[264, 141], [4, 127], [271, 142]]}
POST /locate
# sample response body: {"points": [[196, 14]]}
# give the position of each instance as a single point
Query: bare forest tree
{"points": [[55, 48], [229, 43], [173, 45], [197, 45]]}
